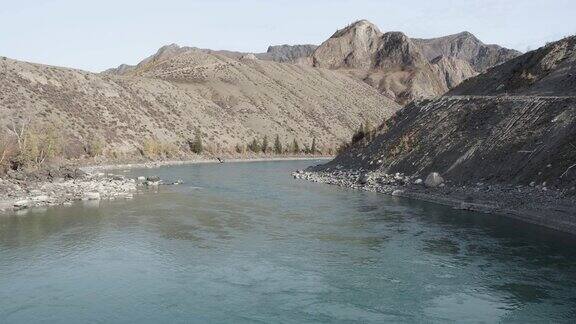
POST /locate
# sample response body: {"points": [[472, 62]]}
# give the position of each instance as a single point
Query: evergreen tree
{"points": [[196, 146], [254, 147], [265, 144], [359, 135], [368, 130], [295, 147], [277, 145], [238, 148], [313, 148]]}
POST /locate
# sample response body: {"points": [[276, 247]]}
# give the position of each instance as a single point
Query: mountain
{"points": [[391, 62], [465, 46], [276, 53], [549, 71], [401, 68], [177, 90], [476, 134]]}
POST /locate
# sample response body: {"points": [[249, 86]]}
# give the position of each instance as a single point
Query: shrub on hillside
{"points": [[95, 147]]}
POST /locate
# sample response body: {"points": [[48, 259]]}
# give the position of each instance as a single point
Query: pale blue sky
{"points": [[95, 35]]}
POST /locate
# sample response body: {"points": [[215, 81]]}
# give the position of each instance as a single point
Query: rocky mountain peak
{"points": [[360, 28], [396, 49]]}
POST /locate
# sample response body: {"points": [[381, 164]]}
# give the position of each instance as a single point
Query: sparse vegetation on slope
{"points": [[166, 98]]}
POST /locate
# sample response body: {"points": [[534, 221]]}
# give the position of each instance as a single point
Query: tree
{"points": [[95, 147], [313, 148], [295, 147], [265, 144], [358, 135], [238, 148], [277, 145], [254, 147], [196, 146], [368, 130]]}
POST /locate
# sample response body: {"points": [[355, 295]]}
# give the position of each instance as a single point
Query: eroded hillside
{"points": [[168, 97]]}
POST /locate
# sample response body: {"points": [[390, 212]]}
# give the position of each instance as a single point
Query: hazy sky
{"points": [[95, 35]]}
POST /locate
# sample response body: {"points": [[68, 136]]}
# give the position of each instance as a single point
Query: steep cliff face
{"points": [[475, 134], [465, 46]]}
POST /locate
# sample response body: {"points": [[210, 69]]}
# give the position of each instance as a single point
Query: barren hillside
{"points": [[169, 95]]}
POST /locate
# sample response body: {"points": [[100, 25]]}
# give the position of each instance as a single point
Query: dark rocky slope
{"points": [[513, 140]]}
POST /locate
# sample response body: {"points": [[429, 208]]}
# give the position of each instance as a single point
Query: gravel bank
{"points": [[18, 194], [63, 186], [535, 204]]}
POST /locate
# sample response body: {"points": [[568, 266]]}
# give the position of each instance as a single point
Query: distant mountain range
{"points": [[401, 68], [359, 75]]}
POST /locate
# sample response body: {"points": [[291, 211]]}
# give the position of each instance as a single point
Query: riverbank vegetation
{"points": [[30, 146]]}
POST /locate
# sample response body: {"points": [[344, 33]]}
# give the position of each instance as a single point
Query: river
{"points": [[247, 243]]}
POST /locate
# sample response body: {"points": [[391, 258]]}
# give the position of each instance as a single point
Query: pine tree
{"points": [[358, 135], [277, 145], [368, 130], [295, 147], [238, 148], [265, 144], [196, 146], [313, 149], [254, 147]]}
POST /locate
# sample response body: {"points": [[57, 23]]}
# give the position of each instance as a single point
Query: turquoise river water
{"points": [[247, 243]]}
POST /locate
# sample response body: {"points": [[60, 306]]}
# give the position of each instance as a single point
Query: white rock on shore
{"points": [[434, 180]]}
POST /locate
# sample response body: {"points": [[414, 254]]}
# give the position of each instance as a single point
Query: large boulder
{"points": [[434, 180], [92, 196]]}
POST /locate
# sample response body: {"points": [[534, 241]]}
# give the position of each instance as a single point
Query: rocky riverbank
{"points": [[63, 185], [534, 204], [17, 193]]}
